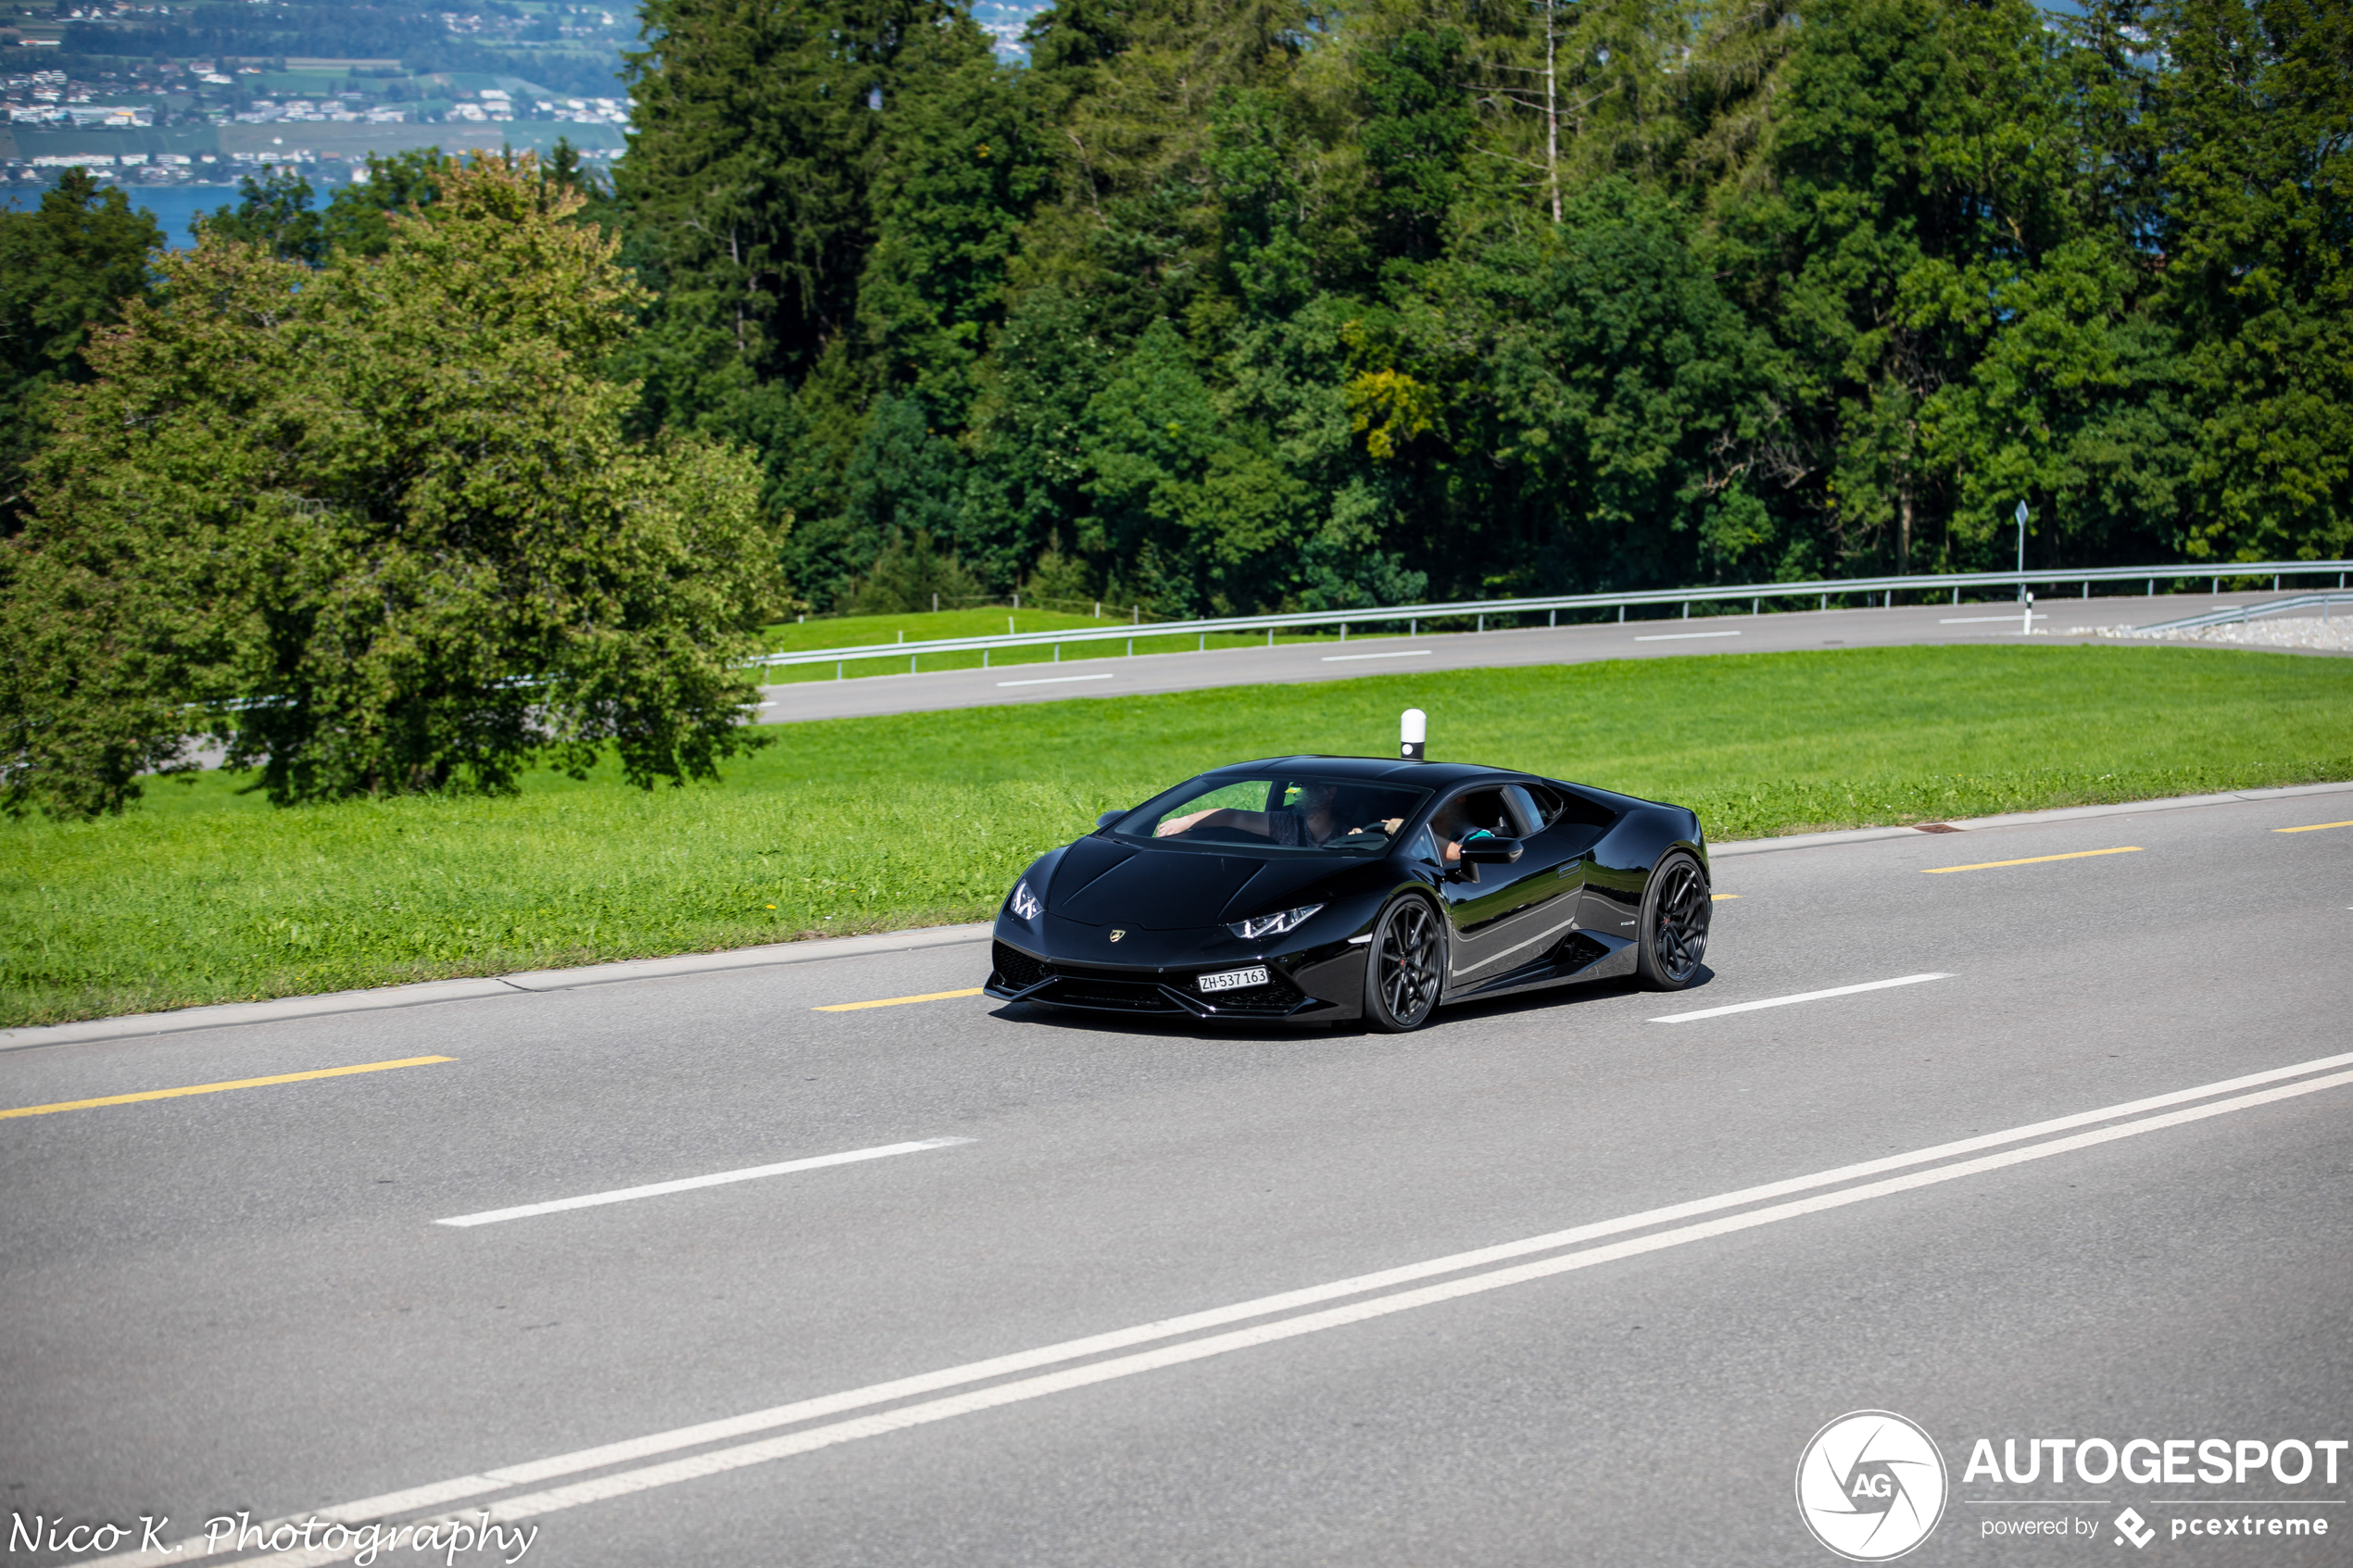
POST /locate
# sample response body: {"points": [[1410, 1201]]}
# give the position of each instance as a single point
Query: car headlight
{"points": [[1024, 902], [1250, 930]]}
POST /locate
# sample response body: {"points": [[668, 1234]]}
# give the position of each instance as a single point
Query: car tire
{"points": [[1404, 966], [1675, 911]]}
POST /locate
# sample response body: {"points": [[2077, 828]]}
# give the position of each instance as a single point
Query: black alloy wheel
{"points": [[1406, 967], [1676, 907]]}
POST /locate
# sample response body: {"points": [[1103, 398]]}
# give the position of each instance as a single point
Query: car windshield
{"points": [[1284, 812]]}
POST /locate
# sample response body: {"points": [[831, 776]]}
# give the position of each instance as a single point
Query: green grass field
{"points": [[864, 631], [206, 895]]}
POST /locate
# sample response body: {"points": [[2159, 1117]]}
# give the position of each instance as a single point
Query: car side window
{"points": [[1470, 812], [1549, 804], [1528, 818]]}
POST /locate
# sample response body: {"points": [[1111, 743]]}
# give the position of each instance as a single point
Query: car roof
{"points": [[1392, 770]]}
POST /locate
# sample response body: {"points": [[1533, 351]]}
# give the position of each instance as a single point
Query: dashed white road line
{"points": [[1800, 996], [1944, 1162], [1346, 658], [1974, 620], [689, 1184], [1681, 636], [1053, 680]]}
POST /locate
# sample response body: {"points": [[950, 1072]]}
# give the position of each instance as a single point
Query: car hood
{"points": [[1103, 883]]}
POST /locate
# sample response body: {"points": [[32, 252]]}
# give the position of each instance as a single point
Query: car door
{"points": [[1506, 919]]}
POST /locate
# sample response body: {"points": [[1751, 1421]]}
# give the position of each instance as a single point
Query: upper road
{"points": [[241, 1299], [1290, 663]]}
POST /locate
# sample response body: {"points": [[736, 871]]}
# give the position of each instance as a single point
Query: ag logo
{"points": [[1871, 1485], [1117, 934]]}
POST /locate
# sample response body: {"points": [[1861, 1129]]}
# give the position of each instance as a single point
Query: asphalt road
{"points": [[241, 1301], [1290, 663]]}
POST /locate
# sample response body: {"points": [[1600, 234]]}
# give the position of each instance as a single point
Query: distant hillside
{"points": [[567, 48]]}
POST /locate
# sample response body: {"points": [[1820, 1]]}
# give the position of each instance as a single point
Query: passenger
{"points": [[1453, 825]]}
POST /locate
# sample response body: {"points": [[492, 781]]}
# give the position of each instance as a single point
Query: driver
{"points": [[1312, 823]]}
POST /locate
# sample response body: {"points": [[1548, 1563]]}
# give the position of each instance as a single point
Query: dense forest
{"points": [[1206, 306], [1217, 304]]}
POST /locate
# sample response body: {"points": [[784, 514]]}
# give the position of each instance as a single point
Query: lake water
{"points": [[175, 207]]}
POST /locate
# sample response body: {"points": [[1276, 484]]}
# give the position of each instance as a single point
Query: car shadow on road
{"points": [[1313, 1028], [1564, 996]]}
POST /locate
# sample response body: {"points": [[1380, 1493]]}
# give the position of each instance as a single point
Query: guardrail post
{"points": [[1826, 601], [1956, 593], [1131, 646], [1482, 623], [1553, 619], [1687, 609], [1756, 607], [1621, 615]]}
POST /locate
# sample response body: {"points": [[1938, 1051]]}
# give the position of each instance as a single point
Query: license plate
{"points": [[1234, 978]]}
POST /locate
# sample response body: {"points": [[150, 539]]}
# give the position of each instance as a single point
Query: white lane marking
{"points": [[1973, 619], [1344, 657], [720, 1460], [689, 1184], [1053, 680], [1678, 636], [1800, 996]]}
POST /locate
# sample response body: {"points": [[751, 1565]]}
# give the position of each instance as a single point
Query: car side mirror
{"points": [[1108, 817], [1492, 851]]}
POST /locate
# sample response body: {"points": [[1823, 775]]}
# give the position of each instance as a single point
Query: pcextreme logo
{"points": [[1871, 1485]]}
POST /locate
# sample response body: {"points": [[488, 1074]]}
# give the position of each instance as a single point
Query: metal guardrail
{"points": [[2240, 613], [1480, 611]]}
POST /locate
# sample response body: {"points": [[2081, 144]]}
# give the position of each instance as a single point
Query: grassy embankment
{"points": [[863, 631], [204, 894]]}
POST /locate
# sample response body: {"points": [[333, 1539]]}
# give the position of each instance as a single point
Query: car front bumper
{"points": [[1319, 985]]}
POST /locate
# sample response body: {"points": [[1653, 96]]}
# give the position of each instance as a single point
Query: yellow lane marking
{"points": [[896, 1001], [216, 1088], [1720, 897], [2314, 828], [2033, 861]]}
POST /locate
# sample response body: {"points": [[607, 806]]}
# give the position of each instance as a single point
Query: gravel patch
{"points": [[2335, 635]]}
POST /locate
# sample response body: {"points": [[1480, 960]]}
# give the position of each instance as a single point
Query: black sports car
{"points": [[1327, 888]]}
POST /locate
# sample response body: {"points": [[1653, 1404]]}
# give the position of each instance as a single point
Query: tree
{"points": [[756, 126], [66, 268], [376, 528], [2257, 127], [274, 213], [359, 215]]}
